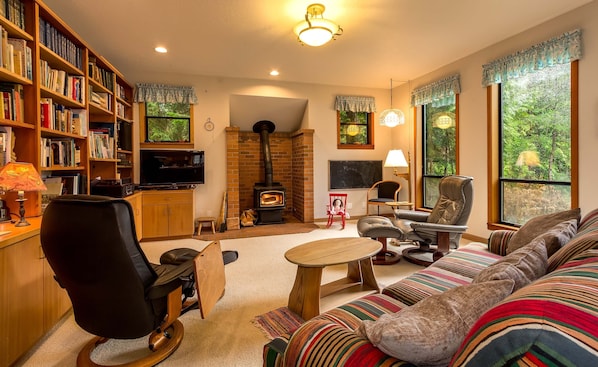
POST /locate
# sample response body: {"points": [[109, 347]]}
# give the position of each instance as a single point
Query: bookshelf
{"points": [[68, 110]]}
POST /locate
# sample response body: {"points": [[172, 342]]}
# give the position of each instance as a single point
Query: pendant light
{"points": [[392, 117]]}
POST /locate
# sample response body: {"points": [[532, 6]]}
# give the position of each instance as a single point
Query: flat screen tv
{"points": [[161, 167]]}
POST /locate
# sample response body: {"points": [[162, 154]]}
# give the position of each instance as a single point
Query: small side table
{"points": [[201, 221]]}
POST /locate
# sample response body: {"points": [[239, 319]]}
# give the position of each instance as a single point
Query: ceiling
{"points": [[383, 39]]}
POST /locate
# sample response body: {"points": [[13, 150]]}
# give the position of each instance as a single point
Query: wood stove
{"points": [[269, 198]]}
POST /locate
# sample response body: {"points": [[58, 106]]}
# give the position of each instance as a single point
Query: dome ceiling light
{"points": [[315, 30], [392, 117]]}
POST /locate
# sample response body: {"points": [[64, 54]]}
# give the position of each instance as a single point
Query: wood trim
{"points": [[575, 134]]}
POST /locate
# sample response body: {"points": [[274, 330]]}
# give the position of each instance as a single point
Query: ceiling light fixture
{"points": [[392, 117], [161, 49], [315, 30], [274, 73]]}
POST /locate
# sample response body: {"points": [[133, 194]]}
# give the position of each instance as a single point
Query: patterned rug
{"points": [[277, 322]]}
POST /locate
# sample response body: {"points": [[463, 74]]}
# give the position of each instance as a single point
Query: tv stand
{"points": [[168, 213], [166, 187]]}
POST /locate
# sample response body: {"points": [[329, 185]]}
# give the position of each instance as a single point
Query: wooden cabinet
{"points": [[168, 213], [136, 201], [31, 302]]}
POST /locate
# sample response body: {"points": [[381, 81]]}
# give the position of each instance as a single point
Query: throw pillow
{"points": [[538, 225], [559, 235], [523, 265], [577, 245], [429, 332]]}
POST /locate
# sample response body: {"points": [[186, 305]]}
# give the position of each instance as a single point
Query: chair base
{"points": [[386, 257], [161, 349], [409, 255]]}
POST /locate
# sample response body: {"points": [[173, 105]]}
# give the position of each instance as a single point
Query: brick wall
{"points": [[292, 166]]}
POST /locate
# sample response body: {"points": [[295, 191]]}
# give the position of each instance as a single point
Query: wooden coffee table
{"points": [[312, 257]]}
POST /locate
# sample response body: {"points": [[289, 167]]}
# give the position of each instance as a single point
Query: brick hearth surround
{"points": [[292, 165]]}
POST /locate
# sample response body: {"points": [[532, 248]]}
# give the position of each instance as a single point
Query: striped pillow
{"points": [[551, 322]]}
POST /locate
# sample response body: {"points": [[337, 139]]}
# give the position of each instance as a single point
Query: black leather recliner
{"points": [[90, 243]]}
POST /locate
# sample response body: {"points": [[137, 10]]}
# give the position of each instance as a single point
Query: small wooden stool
{"points": [[199, 223]]}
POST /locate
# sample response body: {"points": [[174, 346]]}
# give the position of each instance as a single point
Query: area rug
{"points": [[278, 322]]}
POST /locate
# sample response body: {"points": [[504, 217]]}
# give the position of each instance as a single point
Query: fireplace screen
{"points": [[271, 199]]}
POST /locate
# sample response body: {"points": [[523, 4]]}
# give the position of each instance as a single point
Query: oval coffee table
{"points": [[312, 257]]}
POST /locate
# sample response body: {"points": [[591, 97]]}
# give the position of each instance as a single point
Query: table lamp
{"points": [[395, 158], [21, 177]]}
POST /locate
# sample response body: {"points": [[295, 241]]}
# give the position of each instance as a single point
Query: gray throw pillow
{"points": [[559, 235], [429, 332], [523, 265], [538, 225]]}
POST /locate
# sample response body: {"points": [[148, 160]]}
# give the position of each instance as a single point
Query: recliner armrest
{"points": [[414, 215], [450, 228], [169, 278]]}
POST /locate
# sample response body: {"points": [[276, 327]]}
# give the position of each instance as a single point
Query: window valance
{"points": [[439, 93], [355, 103], [146, 92], [559, 50]]}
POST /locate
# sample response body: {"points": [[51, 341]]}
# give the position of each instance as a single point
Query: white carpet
{"points": [[259, 281]]}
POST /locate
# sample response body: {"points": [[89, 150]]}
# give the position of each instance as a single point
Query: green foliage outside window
{"points": [[168, 122], [440, 151], [536, 144], [354, 128]]}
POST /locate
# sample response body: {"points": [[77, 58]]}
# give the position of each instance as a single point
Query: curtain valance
{"points": [[558, 50], [439, 93], [355, 103], [146, 92]]}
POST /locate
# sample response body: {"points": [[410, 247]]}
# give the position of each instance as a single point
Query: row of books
{"points": [[100, 75], [101, 143], [15, 55], [59, 81], [61, 152], [101, 99], [12, 101], [121, 110], [5, 145], [13, 10], [58, 117], [120, 92], [60, 44]]}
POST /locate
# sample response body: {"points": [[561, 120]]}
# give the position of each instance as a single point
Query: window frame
{"points": [[370, 132], [494, 150], [167, 145], [423, 152]]}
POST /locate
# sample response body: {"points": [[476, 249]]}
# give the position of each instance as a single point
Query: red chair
{"points": [[337, 205]]}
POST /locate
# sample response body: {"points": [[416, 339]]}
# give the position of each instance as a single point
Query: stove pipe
{"points": [[264, 128]]}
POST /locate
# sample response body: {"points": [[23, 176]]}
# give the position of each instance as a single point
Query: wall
{"points": [[214, 92]]}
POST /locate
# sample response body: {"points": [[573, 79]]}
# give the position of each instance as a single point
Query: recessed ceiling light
{"points": [[161, 49], [274, 73]]}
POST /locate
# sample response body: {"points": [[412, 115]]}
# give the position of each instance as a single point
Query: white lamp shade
{"points": [[395, 158], [392, 118], [320, 32]]}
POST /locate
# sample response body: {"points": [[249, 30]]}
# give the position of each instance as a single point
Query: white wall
{"points": [[214, 92]]}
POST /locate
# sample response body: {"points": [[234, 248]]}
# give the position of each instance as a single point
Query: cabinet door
{"points": [[21, 298], [56, 299], [155, 220], [180, 219], [137, 203]]}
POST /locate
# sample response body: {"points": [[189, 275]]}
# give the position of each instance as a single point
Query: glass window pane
{"points": [[354, 128], [523, 201], [431, 191]]}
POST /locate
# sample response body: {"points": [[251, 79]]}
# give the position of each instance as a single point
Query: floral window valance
{"points": [[439, 93], [161, 93], [355, 103], [559, 50]]}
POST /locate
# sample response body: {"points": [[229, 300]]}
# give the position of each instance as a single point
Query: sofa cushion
{"points": [[429, 332], [539, 225], [523, 265], [578, 244], [552, 321]]}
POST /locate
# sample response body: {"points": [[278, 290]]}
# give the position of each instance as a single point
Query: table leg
{"points": [[362, 271], [304, 299]]}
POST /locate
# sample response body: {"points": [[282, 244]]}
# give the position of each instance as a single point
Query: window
{"points": [[535, 153], [533, 131], [166, 113], [355, 129], [167, 122], [439, 148], [354, 121], [440, 122]]}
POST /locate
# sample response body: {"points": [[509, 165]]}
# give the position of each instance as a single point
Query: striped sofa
{"points": [[550, 322]]}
